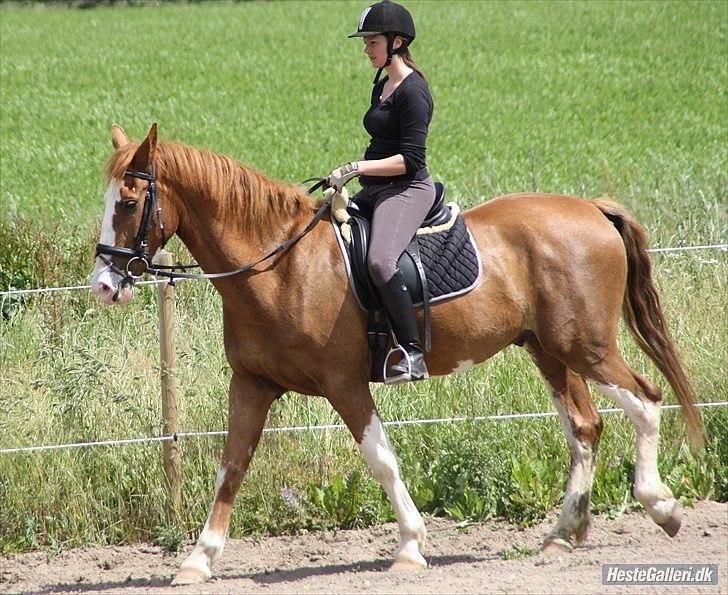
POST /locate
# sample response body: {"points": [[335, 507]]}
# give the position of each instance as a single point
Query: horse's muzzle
{"points": [[110, 287]]}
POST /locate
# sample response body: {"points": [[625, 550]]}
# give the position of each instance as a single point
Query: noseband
{"points": [[137, 258]]}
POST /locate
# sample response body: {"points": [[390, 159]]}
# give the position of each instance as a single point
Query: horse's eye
{"points": [[129, 204]]}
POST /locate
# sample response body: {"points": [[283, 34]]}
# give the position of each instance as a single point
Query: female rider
{"points": [[393, 173]]}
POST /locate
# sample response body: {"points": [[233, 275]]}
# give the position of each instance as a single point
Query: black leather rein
{"points": [[139, 262]]}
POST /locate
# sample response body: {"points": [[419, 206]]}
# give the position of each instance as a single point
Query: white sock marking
{"points": [[580, 476], [648, 487], [219, 479], [210, 543], [383, 463], [581, 470]]}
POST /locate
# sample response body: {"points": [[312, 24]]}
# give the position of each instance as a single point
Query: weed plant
{"points": [[588, 98]]}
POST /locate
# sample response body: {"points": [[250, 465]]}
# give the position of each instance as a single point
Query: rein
{"points": [[138, 259], [160, 272]]}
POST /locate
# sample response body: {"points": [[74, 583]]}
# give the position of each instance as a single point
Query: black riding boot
{"points": [[397, 302]]}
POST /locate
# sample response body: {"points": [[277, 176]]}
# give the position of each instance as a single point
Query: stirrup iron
{"points": [[405, 377]]}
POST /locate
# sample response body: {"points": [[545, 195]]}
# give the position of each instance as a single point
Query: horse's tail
{"points": [[644, 317]]}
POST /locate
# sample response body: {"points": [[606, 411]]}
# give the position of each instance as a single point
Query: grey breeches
{"points": [[399, 209]]}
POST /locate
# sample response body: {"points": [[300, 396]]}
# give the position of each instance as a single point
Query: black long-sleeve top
{"points": [[398, 125]]}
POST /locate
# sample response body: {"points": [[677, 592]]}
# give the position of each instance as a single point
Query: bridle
{"points": [[138, 260]]}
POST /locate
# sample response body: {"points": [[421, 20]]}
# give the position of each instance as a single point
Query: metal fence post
{"points": [[170, 411]]}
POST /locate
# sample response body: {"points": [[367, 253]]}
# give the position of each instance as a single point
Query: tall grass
{"points": [[620, 99]]}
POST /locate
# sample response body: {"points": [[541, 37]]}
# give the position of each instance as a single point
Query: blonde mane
{"points": [[242, 197]]}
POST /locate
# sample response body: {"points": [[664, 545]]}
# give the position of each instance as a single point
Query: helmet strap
{"points": [[390, 48], [390, 52]]}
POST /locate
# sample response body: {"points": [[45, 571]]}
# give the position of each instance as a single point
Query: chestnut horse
{"points": [[558, 271]]}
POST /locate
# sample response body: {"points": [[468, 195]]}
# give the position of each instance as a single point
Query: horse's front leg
{"points": [[250, 400], [357, 409]]}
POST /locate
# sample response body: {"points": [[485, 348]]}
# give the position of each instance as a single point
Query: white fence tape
{"points": [[412, 422], [11, 292], [69, 288], [182, 435], [686, 248]]}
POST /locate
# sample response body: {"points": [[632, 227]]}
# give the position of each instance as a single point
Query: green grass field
{"points": [[588, 98]]}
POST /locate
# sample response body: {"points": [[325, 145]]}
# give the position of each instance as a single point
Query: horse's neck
{"points": [[220, 244]]}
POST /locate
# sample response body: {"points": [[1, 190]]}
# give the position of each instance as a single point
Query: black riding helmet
{"points": [[390, 19]]}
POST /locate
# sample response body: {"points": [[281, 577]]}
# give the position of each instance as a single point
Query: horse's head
{"points": [[133, 226]]}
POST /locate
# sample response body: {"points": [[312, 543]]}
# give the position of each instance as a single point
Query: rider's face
{"points": [[375, 47]]}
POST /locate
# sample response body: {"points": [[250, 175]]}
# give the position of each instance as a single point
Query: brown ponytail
{"points": [[407, 58]]}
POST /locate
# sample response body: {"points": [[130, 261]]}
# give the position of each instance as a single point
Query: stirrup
{"points": [[406, 376]]}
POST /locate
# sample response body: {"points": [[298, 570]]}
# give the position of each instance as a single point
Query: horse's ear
{"points": [[145, 153], [118, 137], [152, 137]]}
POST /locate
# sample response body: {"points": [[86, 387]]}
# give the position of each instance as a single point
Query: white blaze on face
{"points": [[104, 281]]}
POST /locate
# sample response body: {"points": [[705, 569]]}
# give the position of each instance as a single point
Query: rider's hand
{"points": [[341, 175]]}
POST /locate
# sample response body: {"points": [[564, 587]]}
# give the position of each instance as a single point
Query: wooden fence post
{"points": [[170, 411]]}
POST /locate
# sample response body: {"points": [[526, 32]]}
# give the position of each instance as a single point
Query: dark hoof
{"points": [[581, 532], [673, 522]]}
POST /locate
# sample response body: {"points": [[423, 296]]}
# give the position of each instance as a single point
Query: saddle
{"points": [[441, 262]]}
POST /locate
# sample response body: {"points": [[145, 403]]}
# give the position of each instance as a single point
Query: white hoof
{"points": [[408, 558], [408, 566], [191, 575], [556, 546]]}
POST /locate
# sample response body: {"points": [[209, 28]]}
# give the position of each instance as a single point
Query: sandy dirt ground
{"points": [[475, 559]]}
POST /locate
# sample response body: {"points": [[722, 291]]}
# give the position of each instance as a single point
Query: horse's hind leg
{"points": [[583, 428], [641, 401], [250, 400], [356, 408]]}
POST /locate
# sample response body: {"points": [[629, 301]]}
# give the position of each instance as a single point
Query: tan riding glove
{"points": [[341, 175]]}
